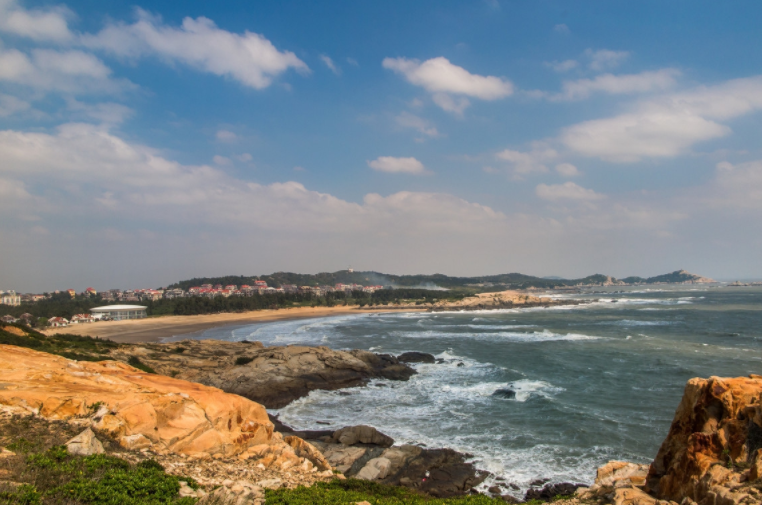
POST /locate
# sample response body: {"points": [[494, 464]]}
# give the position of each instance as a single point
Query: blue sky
{"points": [[144, 143]]}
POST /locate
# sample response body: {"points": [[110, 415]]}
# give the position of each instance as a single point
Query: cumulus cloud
{"points": [[443, 79], [527, 162], [394, 165], [566, 191], [245, 157], [330, 64], [562, 29], [248, 58], [604, 59], [69, 71], [643, 82], [48, 24], [408, 120], [667, 125], [106, 112], [567, 170]]}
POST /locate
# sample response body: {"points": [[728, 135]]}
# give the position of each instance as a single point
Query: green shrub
{"points": [[135, 361], [354, 490]]}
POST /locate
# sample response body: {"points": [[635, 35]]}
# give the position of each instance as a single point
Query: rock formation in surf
{"points": [[272, 376]]}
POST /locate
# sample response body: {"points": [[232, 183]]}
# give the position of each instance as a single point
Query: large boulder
{"points": [[362, 434], [715, 436], [85, 444], [144, 410], [271, 376]]}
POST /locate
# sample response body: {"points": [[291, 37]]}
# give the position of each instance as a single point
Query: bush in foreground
{"points": [[353, 490]]}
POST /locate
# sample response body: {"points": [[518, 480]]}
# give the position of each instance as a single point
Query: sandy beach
{"points": [[153, 329]]}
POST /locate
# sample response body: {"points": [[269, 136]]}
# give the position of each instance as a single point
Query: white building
{"points": [[10, 298], [119, 312]]}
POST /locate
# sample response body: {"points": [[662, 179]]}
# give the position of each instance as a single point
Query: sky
{"points": [[145, 143]]}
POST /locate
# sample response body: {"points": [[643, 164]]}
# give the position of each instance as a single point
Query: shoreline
{"points": [[155, 329]]}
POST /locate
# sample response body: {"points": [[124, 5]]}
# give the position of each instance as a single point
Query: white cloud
{"points": [[567, 170], [668, 125], [64, 71], [39, 24], [10, 105], [563, 66], [566, 191], [605, 59], [226, 136], [391, 164], [330, 64], [221, 160], [643, 82], [353, 62], [533, 161], [245, 157], [441, 78], [408, 120], [562, 29], [248, 58], [736, 186]]}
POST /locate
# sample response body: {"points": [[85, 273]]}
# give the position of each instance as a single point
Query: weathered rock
{"points": [[85, 444], [416, 357], [271, 376], [716, 433], [144, 410], [307, 451], [376, 468], [339, 456], [550, 491], [438, 472], [362, 434], [507, 393]]}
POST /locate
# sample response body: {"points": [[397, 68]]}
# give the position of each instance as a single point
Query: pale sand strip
{"points": [[153, 329]]}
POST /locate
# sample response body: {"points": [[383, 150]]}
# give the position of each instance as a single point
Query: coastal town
{"points": [[113, 297]]}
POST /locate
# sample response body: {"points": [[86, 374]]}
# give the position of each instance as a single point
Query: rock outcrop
{"points": [[711, 456], [271, 376], [146, 411], [365, 453], [714, 444]]}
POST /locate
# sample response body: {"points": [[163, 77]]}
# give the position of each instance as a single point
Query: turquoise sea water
{"points": [[593, 383]]}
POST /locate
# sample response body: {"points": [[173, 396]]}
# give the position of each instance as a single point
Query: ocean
{"points": [[592, 383]]}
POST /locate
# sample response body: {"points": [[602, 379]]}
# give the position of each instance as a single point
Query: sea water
{"points": [[593, 382]]}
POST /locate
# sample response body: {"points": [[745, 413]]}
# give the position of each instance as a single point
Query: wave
{"points": [[512, 336]]}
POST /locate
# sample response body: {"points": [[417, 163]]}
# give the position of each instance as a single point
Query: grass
{"points": [[46, 474], [62, 344], [135, 361], [354, 490]]}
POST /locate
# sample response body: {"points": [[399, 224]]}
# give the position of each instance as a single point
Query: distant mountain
{"points": [[506, 281]]}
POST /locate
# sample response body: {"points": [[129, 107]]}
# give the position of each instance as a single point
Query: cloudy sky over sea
{"points": [[141, 143]]}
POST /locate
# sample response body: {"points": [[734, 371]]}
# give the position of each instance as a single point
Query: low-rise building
{"points": [[119, 312], [58, 321], [10, 298]]}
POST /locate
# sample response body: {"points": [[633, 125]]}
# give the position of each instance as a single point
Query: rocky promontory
{"points": [[271, 376]]}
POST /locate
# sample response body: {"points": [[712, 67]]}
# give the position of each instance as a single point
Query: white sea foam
{"points": [[511, 336]]}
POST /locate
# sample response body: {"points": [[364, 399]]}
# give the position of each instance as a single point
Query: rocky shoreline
{"points": [[185, 416]]}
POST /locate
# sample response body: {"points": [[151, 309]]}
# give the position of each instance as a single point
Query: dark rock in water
{"points": [[460, 363], [508, 394], [440, 361], [550, 491], [514, 486], [274, 376], [538, 482], [438, 472], [494, 489], [323, 422], [416, 357]]}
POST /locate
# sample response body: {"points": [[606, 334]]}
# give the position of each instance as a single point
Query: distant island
{"points": [[441, 281]]}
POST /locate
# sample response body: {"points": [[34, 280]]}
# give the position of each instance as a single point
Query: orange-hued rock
{"points": [[143, 410], [714, 438]]}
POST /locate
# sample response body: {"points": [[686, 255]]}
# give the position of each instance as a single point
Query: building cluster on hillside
{"points": [[204, 290]]}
